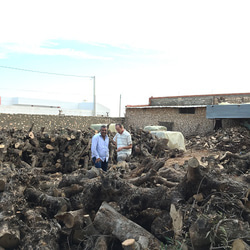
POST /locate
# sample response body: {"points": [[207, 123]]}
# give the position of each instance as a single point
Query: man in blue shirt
{"points": [[100, 149]]}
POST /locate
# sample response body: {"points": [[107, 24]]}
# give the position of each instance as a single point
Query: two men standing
{"points": [[100, 146]]}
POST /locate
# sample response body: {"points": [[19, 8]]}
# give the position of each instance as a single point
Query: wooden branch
{"points": [[140, 180], [54, 205], [164, 181], [86, 162], [72, 190]]}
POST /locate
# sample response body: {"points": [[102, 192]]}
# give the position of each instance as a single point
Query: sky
{"points": [[135, 49]]}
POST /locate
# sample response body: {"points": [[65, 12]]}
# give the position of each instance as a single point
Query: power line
{"points": [[52, 73], [38, 91], [44, 72]]}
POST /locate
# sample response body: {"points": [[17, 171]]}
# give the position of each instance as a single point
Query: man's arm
{"points": [[129, 142], [125, 147], [94, 148]]}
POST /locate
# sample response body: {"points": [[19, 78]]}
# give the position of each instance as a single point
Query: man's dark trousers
{"points": [[101, 164]]}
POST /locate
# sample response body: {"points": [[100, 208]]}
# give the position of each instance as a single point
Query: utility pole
{"points": [[120, 105], [94, 97]]}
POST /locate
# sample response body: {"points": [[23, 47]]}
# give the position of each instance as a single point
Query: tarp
{"points": [[175, 139], [97, 127], [112, 127], [155, 128]]}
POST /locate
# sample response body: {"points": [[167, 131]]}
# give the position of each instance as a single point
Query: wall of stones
{"points": [[200, 100], [50, 122], [188, 124]]}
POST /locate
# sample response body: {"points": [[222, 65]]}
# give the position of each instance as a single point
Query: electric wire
{"points": [[44, 72]]}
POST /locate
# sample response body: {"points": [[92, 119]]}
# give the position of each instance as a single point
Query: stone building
{"points": [[187, 114]]}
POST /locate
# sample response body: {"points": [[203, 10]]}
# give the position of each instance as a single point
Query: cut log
{"points": [[109, 221], [71, 219], [87, 230], [90, 229], [130, 244], [101, 243], [239, 244], [3, 180], [49, 146], [9, 238], [33, 140], [193, 173]]}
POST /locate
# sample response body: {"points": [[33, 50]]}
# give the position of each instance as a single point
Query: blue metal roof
{"points": [[228, 111]]}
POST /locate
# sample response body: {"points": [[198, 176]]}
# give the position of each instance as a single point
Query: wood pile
{"points": [[52, 198], [235, 140]]}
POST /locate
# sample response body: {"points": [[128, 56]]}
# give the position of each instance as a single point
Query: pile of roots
{"points": [[51, 197]]}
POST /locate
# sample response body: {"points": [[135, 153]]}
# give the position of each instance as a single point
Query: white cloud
{"points": [[3, 55], [181, 28], [39, 50], [199, 46]]}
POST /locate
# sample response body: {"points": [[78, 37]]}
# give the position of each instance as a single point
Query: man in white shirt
{"points": [[100, 149], [123, 143]]}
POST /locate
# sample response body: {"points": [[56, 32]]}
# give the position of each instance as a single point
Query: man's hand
{"points": [[97, 160], [119, 149]]}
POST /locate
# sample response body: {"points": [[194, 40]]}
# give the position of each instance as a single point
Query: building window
{"points": [[187, 110], [168, 125]]}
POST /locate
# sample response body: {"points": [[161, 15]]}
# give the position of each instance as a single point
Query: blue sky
{"points": [[136, 49]]}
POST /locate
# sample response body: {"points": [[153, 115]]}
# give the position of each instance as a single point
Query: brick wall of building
{"points": [[188, 124]]}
